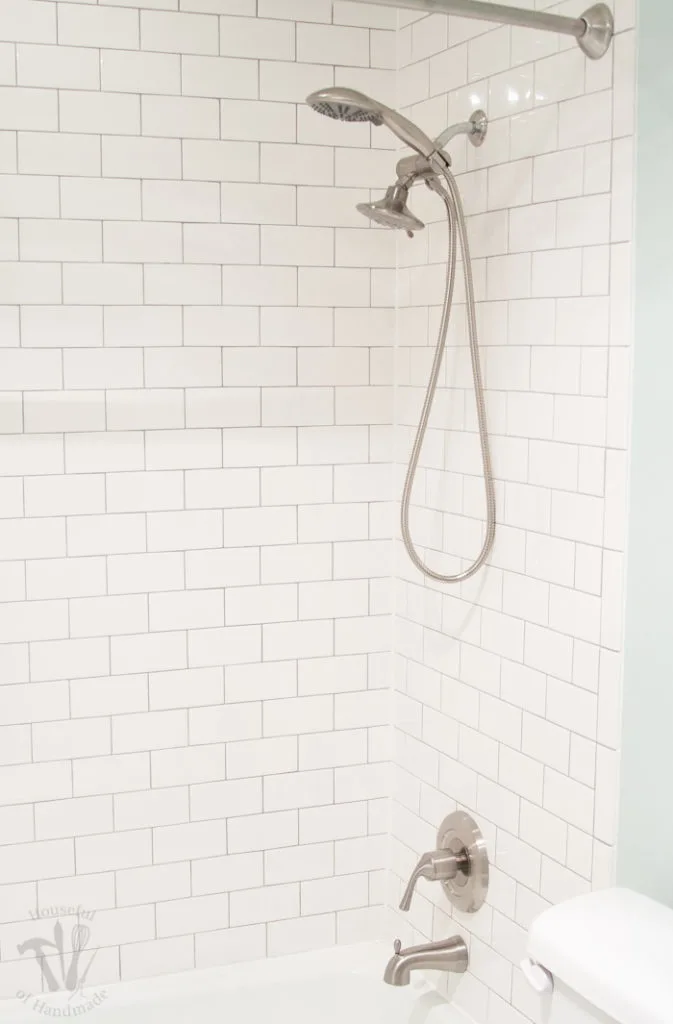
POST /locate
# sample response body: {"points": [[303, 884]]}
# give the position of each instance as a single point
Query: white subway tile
{"points": [[245, 605], [230, 946], [272, 903], [568, 799], [239, 722], [28, 109], [93, 112], [250, 832], [290, 81], [57, 67], [114, 851], [301, 934], [167, 689], [229, 78], [31, 861], [297, 165], [301, 789], [113, 284], [197, 913], [150, 807], [257, 38], [180, 766], [69, 659], [118, 773], [149, 884], [585, 120], [237, 871], [181, 201], [184, 449], [83, 738], [274, 756], [8, 154], [340, 821], [180, 117], [341, 892], [156, 956], [64, 577], [106, 695], [228, 799], [30, 282], [148, 653], [28, 783], [50, 153], [258, 204], [128, 156], [257, 121], [15, 700], [298, 640], [333, 749], [250, 286], [313, 10], [137, 72], [186, 284], [135, 242], [231, 644], [111, 774], [170, 32], [206, 160], [215, 488], [332, 44]]}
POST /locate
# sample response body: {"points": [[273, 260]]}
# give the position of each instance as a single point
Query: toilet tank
{"points": [[610, 957]]}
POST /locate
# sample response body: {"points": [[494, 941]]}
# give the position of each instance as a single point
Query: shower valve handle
{"points": [[437, 866]]}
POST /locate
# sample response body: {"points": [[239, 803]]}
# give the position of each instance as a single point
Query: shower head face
{"points": [[350, 105], [346, 105], [392, 211]]}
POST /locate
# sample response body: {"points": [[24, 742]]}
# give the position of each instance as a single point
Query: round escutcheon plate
{"points": [[461, 834]]}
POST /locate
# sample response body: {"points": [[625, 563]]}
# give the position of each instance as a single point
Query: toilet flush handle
{"points": [[538, 977]]}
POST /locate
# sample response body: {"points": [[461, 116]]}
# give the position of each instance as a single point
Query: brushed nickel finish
{"points": [[343, 104], [392, 211], [475, 129], [460, 863], [438, 866], [461, 836], [431, 165], [593, 30], [600, 28], [447, 190], [446, 955]]}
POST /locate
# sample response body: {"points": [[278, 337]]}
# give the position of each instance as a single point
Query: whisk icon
{"points": [[80, 938]]}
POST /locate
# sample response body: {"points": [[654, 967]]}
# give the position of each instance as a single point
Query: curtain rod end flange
{"points": [[600, 28]]}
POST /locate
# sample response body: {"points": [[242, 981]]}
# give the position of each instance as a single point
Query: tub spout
{"points": [[448, 955]]}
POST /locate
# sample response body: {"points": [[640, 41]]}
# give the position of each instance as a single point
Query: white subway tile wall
{"points": [[203, 430], [196, 467], [508, 686]]}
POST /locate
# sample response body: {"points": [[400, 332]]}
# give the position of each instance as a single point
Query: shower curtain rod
{"points": [[593, 30]]}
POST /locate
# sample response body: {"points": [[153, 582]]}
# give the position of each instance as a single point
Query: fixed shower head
{"points": [[392, 211], [344, 104]]}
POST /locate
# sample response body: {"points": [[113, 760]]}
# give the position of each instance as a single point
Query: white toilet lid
{"points": [[614, 949]]}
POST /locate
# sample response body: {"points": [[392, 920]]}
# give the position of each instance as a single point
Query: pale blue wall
{"points": [[645, 849]]}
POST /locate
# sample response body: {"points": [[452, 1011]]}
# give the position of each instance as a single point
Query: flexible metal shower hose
{"points": [[457, 226]]}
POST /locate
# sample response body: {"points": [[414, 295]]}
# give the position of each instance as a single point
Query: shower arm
{"points": [[419, 168], [593, 30]]}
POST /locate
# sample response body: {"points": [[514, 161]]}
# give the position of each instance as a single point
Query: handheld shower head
{"points": [[392, 211], [344, 104]]}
